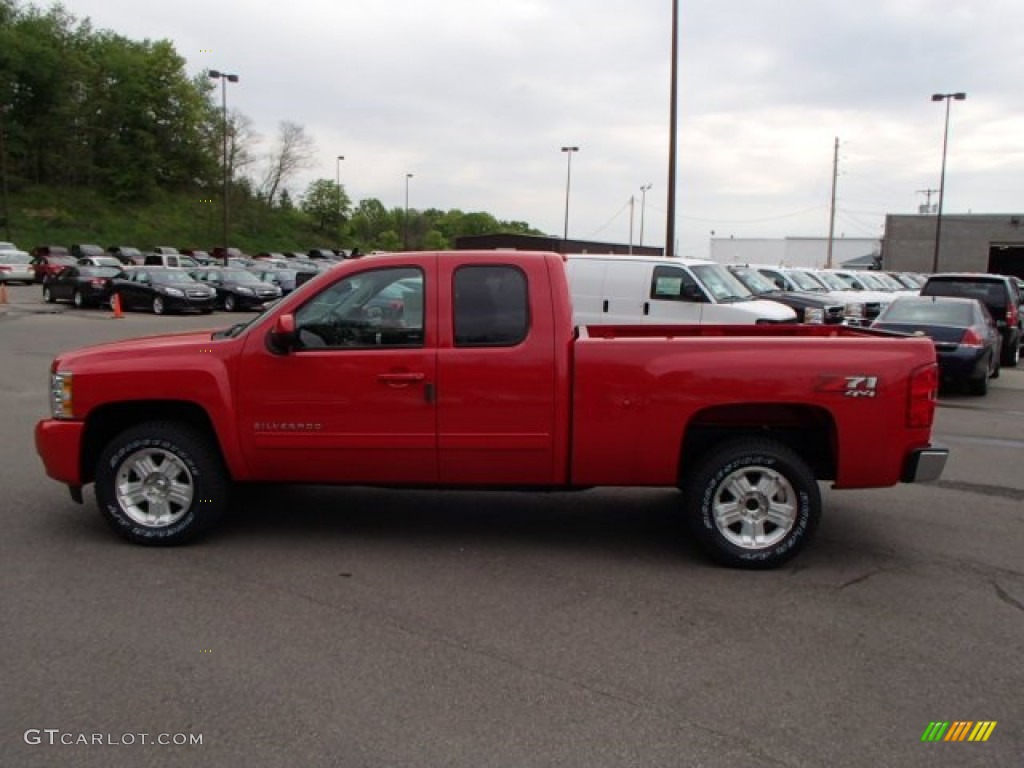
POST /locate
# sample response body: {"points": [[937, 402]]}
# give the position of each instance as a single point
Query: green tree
{"points": [[434, 240], [326, 204]]}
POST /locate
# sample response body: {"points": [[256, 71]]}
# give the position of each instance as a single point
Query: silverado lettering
{"points": [[464, 369]]}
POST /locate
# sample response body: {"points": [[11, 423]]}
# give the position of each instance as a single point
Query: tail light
{"points": [[924, 386], [1011, 314], [98, 282], [4, 268], [971, 339]]}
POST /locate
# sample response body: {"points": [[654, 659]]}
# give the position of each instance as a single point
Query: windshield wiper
{"points": [[229, 333]]}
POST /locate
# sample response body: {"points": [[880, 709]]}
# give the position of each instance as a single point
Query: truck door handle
{"points": [[647, 308], [605, 307], [400, 379]]}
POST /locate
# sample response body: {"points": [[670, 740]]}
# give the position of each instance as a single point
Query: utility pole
{"points": [[832, 208]]}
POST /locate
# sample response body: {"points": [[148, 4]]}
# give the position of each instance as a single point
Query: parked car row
{"points": [[48, 260], [160, 289]]}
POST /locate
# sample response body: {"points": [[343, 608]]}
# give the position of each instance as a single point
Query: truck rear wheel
{"points": [[161, 483], [752, 503]]}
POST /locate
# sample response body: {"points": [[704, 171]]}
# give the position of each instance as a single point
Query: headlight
{"points": [[174, 292], [855, 310], [60, 395], [243, 289], [814, 315]]}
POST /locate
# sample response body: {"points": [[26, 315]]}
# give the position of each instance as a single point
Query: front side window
{"points": [[675, 284], [378, 308], [491, 306]]}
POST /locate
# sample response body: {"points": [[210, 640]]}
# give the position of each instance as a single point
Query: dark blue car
{"points": [[967, 342]]}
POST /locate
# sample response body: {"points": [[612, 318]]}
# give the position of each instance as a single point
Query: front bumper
{"points": [[59, 445], [251, 301], [925, 465], [182, 303]]}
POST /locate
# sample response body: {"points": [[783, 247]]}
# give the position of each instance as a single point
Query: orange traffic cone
{"points": [[115, 304], [3, 293]]}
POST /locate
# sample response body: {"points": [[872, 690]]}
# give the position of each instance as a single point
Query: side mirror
{"points": [[282, 337], [693, 292]]}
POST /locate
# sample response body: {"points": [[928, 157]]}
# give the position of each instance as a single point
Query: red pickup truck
{"points": [[464, 369]]}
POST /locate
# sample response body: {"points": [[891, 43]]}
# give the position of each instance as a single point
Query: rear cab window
{"points": [[491, 306]]}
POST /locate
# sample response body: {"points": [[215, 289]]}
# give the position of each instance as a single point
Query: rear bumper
{"points": [[925, 465], [58, 444], [962, 365]]}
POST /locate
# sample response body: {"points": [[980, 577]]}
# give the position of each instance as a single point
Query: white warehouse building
{"points": [[849, 252]]}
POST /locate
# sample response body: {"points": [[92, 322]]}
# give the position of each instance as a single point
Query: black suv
{"points": [[997, 292]]}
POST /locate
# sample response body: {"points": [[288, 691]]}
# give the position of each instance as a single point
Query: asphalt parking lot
{"points": [[364, 627]]}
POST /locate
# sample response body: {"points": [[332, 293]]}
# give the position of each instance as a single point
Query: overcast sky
{"points": [[476, 98]]}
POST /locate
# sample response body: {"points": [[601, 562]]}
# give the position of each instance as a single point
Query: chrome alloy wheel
{"points": [[154, 487], [755, 507]]}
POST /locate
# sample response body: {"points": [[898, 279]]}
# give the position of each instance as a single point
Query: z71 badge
{"points": [[849, 386]]}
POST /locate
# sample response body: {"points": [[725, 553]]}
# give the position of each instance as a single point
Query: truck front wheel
{"points": [[752, 503], [161, 483]]}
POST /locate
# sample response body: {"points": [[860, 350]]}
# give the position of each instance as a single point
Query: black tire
{"points": [[48, 295], [77, 299], [185, 492], [777, 483], [978, 386], [159, 307], [1011, 353], [230, 304]]}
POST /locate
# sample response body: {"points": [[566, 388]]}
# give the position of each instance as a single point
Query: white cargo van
{"points": [[631, 290]]}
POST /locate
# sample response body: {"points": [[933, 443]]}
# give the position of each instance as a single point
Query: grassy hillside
{"points": [[55, 216]]}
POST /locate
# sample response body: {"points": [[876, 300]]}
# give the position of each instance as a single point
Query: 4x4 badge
{"points": [[849, 386]]}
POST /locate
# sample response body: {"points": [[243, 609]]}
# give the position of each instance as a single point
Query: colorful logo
{"points": [[959, 730]]}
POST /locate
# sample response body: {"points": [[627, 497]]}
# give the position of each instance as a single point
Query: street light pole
{"points": [[405, 221], [643, 207], [337, 183], [224, 78], [959, 96], [568, 178], [670, 224]]}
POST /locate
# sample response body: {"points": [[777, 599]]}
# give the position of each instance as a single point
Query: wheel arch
{"points": [[807, 430], [107, 421]]}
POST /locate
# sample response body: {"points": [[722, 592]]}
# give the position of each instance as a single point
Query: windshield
{"points": [[805, 281], [890, 282], [172, 277], [99, 271], [721, 283], [754, 280], [871, 282], [239, 276], [832, 282]]}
